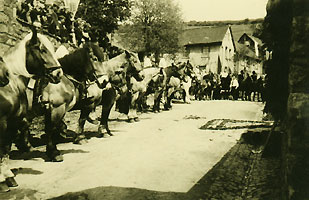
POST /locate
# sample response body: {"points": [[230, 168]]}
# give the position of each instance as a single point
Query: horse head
{"points": [[189, 69], [95, 61], [4, 74], [134, 66], [40, 58], [186, 69]]}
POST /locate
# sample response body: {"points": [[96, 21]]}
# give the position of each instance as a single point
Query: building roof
{"points": [[240, 29], [257, 40], [203, 35], [249, 52]]}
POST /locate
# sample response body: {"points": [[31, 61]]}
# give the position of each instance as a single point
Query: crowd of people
{"points": [[225, 85], [54, 19], [244, 86]]}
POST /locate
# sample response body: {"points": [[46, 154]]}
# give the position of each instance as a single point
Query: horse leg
{"points": [[156, 101], [129, 102], [108, 100], [184, 96], [104, 120], [140, 101], [22, 142], [6, 175], [84, 114], [133, 107], [3, 128], [53, 116], [167, 104], [9, 136]]}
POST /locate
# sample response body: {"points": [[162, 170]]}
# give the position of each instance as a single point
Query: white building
{"points": [[210, 48]]}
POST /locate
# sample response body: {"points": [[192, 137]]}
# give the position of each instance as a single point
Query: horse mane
{"points": [[15, 57], [97, 51], [111, 65], [74, 64]]}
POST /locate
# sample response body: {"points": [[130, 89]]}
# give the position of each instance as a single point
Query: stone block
{"points": [[1, 5], [298, 78], [4, 18], [3, 38], [298, 105], [300, 7], [3, 28]]}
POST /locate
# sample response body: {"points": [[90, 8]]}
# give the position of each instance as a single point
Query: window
{"points": [[205, 51], [187, 52]]}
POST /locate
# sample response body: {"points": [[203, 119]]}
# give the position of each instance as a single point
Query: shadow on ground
{"points": [[16, 155], [245, 172]]}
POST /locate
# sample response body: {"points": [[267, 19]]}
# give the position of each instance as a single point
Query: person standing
{"points": [[234, 87]]}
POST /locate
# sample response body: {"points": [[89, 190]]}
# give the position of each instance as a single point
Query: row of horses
{"points": [[214, 87], [35, 82]]}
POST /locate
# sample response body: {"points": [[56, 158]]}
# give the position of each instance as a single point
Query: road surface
{"points": [[163, 152]]}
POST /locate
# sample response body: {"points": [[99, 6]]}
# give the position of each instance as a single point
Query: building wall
{"points": [[227, 51], [209, 54], [10, 30], [213, 61], [204, 55], [249, 67]]}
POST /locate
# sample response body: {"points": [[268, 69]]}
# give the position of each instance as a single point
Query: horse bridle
{"points": [[47, 72], [93, 72]]}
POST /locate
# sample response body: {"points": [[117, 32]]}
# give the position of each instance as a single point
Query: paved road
{"points": [[164, 152]]}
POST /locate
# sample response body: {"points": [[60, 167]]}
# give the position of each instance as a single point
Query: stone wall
{"points": [[288, 26], [10, 30], [298, 104]]}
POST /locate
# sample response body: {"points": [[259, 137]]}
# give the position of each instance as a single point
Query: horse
{"points": [[175, 77], [82, 65], [188, 74], [195, 88], [120, 70], [135, 99], [127, 102], [71, 94], [154, 82], [30, 59]]}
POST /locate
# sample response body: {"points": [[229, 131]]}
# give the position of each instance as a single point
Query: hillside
{"points": [[227, 22], [238, 27]]}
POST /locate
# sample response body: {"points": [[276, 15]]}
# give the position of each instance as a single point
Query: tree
{"points": [[154, 27], [103, 16]]}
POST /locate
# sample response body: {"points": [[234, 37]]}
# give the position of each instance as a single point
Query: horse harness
{"points": [[34, 90]]}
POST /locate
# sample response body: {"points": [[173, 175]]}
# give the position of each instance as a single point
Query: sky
{"points": [[213, 10]]}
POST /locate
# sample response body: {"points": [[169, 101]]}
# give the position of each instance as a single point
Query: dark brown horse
{"points": [[85, 64], [32, 58], [70, 94]]}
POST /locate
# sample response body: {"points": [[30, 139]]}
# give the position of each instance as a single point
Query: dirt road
{"points": [[165, 153]]}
